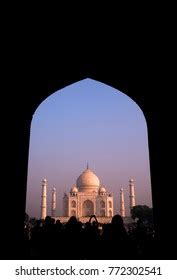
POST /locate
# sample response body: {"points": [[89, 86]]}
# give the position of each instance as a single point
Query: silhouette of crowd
{"points": [[50, 239]]}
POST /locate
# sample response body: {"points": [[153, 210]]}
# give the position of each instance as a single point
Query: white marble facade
{"points": [[87, 198]]}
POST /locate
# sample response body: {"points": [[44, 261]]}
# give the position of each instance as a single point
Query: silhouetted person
{"points": [[116, 240]]}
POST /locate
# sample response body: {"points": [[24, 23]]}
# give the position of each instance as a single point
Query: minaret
{"points": [[54, 198], [132, 193], [44, 199], [122, 203]]}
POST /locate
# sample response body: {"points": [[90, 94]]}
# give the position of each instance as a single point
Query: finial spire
{"points": [[87, 165]]}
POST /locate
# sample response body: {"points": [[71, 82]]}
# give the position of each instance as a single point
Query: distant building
{"points": [[87, 197]]}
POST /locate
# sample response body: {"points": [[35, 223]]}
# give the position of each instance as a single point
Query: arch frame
{"points": [[140, 84]]}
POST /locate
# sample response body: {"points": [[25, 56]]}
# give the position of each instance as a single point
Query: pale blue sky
{"points": [[88, 121]]}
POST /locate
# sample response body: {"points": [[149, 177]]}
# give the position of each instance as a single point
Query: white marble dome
{"points": [[74, 189], [102, 190], [88, 182]]}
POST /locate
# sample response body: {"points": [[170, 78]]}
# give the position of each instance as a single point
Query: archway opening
{"points": [[73, 204], [102, 203], [89, 122], [88, 208], [73, 213], [110, 213], [102, 213]]}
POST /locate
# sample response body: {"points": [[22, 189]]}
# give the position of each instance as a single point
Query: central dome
{"points": [[88, 182]]}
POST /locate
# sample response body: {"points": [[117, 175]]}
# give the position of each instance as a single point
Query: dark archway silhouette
{"points": [[140, 84]]}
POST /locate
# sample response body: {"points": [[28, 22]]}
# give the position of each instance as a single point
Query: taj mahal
{"points": [[87, 197]]}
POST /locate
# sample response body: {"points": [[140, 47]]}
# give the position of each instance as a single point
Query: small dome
{"points": [[102, 190], [131, 180], [44, 180], [74, 189]]}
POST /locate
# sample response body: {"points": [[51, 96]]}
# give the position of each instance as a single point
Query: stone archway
{"points": [[73, 213], [110, 204], [87, 208], [73, 204], [102, 213], [110, 213], [102, 204], [122, 77]]}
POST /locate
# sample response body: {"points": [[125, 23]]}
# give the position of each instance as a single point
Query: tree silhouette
{"points": [[143, 213]]}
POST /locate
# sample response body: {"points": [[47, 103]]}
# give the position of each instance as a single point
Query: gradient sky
{"points": [[88, 122]]}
